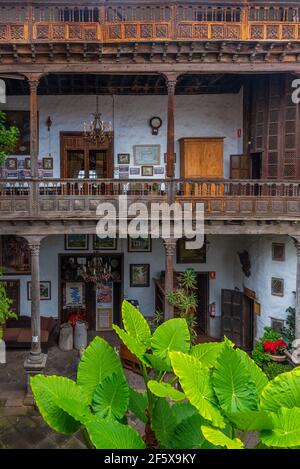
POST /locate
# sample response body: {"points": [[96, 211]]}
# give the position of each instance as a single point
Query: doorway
{"points": [[202, 302], [256, 165], [81, 159]]}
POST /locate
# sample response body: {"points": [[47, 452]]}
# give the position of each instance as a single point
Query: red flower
{"points": [[274, 347]]}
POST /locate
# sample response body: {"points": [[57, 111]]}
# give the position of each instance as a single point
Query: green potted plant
{"points": [[5, 314], [275, 349], [184, 299], [8, 138]]}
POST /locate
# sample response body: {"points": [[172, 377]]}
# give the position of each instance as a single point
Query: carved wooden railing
{"points": [[144, 22], [60, 198]]}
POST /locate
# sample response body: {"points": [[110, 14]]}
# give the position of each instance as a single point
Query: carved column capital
{"points": [[171, 86], [170, 246], [34, 244]]}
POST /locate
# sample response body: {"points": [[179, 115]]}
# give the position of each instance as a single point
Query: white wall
{"points": [[195, 116]]}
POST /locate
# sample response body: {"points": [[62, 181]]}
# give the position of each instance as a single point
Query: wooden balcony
{"points": [[78, 199], [140, 22]]}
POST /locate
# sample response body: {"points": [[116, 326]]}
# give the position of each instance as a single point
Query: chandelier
{"points": [[96, 271], [95, 131]]}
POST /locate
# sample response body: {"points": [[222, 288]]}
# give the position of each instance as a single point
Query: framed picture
{"points": [[147, 171], [15, 255], [123, 158], [124, 168], [78, 242], [45, 291], [139, 275], [146, 154], [134, 171], [48, 174], [27, 163], [11, 164], [48, 163], [139, 244], [159, 170], [21, 164], [123, 175], [105, 244], [74, 294], [190, 256], [104, 319], [12, 174], [21, 120]]}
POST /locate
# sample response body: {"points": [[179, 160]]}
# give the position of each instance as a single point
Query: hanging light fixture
{"points": [[95, 132], [97, 270]]}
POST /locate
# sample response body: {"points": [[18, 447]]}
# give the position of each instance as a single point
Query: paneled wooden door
{"points": [[202, 157], [80, 159], [237, 319]]}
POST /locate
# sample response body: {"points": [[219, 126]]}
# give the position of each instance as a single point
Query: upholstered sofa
{"points": [[17, 332]]}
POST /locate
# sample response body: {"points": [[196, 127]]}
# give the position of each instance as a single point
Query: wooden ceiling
{"points": [[90, 84]]}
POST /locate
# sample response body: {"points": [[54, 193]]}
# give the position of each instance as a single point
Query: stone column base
{"points": [[33, 368]]}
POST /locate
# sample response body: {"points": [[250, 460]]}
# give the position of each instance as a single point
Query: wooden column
{"points": [[33, 81], [170, 248], [171, 85], [297, 317], [36, 360]]}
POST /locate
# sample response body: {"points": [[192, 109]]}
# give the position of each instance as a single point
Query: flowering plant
{"points": [[275, 347], [74, 317]]}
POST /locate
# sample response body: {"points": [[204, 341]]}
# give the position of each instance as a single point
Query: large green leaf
{"points": [[282, 391], [207, 353], [183, 410], [163, 422], [196, 382], [233, 385], [62, 403], [159, 364], [137, 348], [172, 335], [135, 324], [165, 390], [286, 431], [111, 397], [187, 433], [138, 403], [218, 438], [251, 420], [98, 361], [110, 434], [257, 375]]}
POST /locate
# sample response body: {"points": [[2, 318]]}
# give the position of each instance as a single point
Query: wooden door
{"points": [[201, 158], [237, 319], [239, 167]]}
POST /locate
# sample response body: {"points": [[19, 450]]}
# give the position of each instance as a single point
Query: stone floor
{"points": [[22, 426]]}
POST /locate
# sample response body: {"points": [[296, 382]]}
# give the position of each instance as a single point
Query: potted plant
{"points": [[275, 349], [5, 314]]}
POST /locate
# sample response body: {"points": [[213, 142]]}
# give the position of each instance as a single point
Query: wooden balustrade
{"points": [[144, 22], [80, 197]]}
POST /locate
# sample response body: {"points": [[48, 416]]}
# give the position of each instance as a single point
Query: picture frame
{"points": [[159, 170], [11, 164], [139, 275], [48, 163], [104, 319], [135, 171], [190, 256], [15, 255], [45, 290], [106, 244], [147, 171], [27, 163], [74, 294], [76, 242], [124, 168], [146, 155], [123, 158], [140, 244]]}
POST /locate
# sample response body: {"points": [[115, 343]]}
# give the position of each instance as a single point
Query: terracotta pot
{"points": [[277, 358]]}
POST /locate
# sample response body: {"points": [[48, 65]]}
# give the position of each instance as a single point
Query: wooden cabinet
{"points": [[239, 167], [201, 157]]}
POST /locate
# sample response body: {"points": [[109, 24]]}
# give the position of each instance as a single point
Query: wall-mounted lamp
{"points": [[48, 123]]}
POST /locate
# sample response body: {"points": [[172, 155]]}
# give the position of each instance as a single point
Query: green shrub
{"points": [[8, 138], [274, 369], [222, 393]]}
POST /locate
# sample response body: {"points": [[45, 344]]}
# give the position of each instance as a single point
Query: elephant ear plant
{"points": [[223, 394]]}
